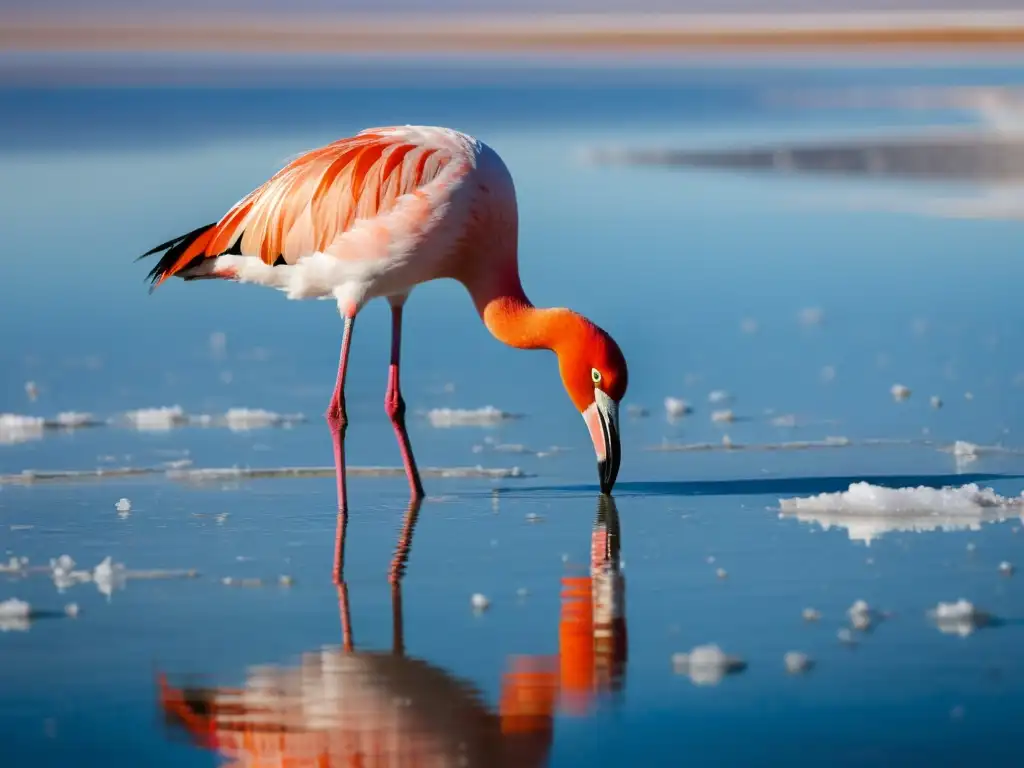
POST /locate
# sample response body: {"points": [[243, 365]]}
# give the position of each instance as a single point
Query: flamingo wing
{"points": [[352, 198]]}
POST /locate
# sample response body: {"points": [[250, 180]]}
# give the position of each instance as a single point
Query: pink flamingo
{"points": [[378, 213]]}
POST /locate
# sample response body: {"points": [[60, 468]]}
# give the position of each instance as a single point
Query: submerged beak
{"points": [[602, 417]]}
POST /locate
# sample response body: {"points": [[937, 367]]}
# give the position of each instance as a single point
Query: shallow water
{"points": [[672, 263]]}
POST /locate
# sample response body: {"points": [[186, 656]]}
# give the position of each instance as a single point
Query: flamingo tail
{"points": [[180, 254]]}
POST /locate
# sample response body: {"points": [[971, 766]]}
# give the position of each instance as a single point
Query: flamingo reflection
{"points": [[348, 707]]}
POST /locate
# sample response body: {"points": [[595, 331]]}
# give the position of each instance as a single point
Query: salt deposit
{"points": [[14, 608], [479, 602], [218, 474], [959, 618], [962, 448], [811, 614], [729, 445], [75, 419], [797, 662], [157, 419], [15, 428], [899, 392], [723, 416], [868, 511], [244, 419], [676, 408], [14, 615], [861, 615], [108, 575], [706, 664], [461, 417]]}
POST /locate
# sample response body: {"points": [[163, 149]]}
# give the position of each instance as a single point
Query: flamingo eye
{"points": [[595, 375]]}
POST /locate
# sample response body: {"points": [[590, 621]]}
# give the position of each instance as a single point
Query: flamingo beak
{"points": [[602, 418]]}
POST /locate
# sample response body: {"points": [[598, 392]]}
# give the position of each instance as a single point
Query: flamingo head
{"points": [[595, 376]]}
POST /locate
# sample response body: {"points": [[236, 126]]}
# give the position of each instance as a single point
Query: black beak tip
{"points": [[606, 483]]}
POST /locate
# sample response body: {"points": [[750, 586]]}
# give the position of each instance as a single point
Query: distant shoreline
{"points": [[604, 33]]}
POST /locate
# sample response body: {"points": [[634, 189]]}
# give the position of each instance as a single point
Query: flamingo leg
{"points": [[394, 405], [337, 420]]}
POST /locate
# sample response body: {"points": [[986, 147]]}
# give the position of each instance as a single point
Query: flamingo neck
{"points": [[513, 319]]}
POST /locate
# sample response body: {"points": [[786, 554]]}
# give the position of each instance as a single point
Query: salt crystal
{"points": [[706, 664], [14, 609], [722, 573], [810, 614], [674, 407], [123, 506], [797, 662], [459, 417], [71, 610], [959, 618], [935, 401], [899, 392], [963, 448], [14, 615], [860, 614], [479, 602], [1006, 568], [157, 419], [20, 429], [724, 416], [72, 419]]}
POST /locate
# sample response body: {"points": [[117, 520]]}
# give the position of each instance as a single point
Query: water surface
{"points": [[680, 266]]}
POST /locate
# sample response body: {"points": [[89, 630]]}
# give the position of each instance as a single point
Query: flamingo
{"points": [[376, 214]]}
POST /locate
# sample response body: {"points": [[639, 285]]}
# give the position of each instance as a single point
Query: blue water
{"points": [[671, 263]]}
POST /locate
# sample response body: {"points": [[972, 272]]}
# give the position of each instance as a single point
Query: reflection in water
{"points": [[987, 160], [868, 512], [867, 528], [344, 707]]}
